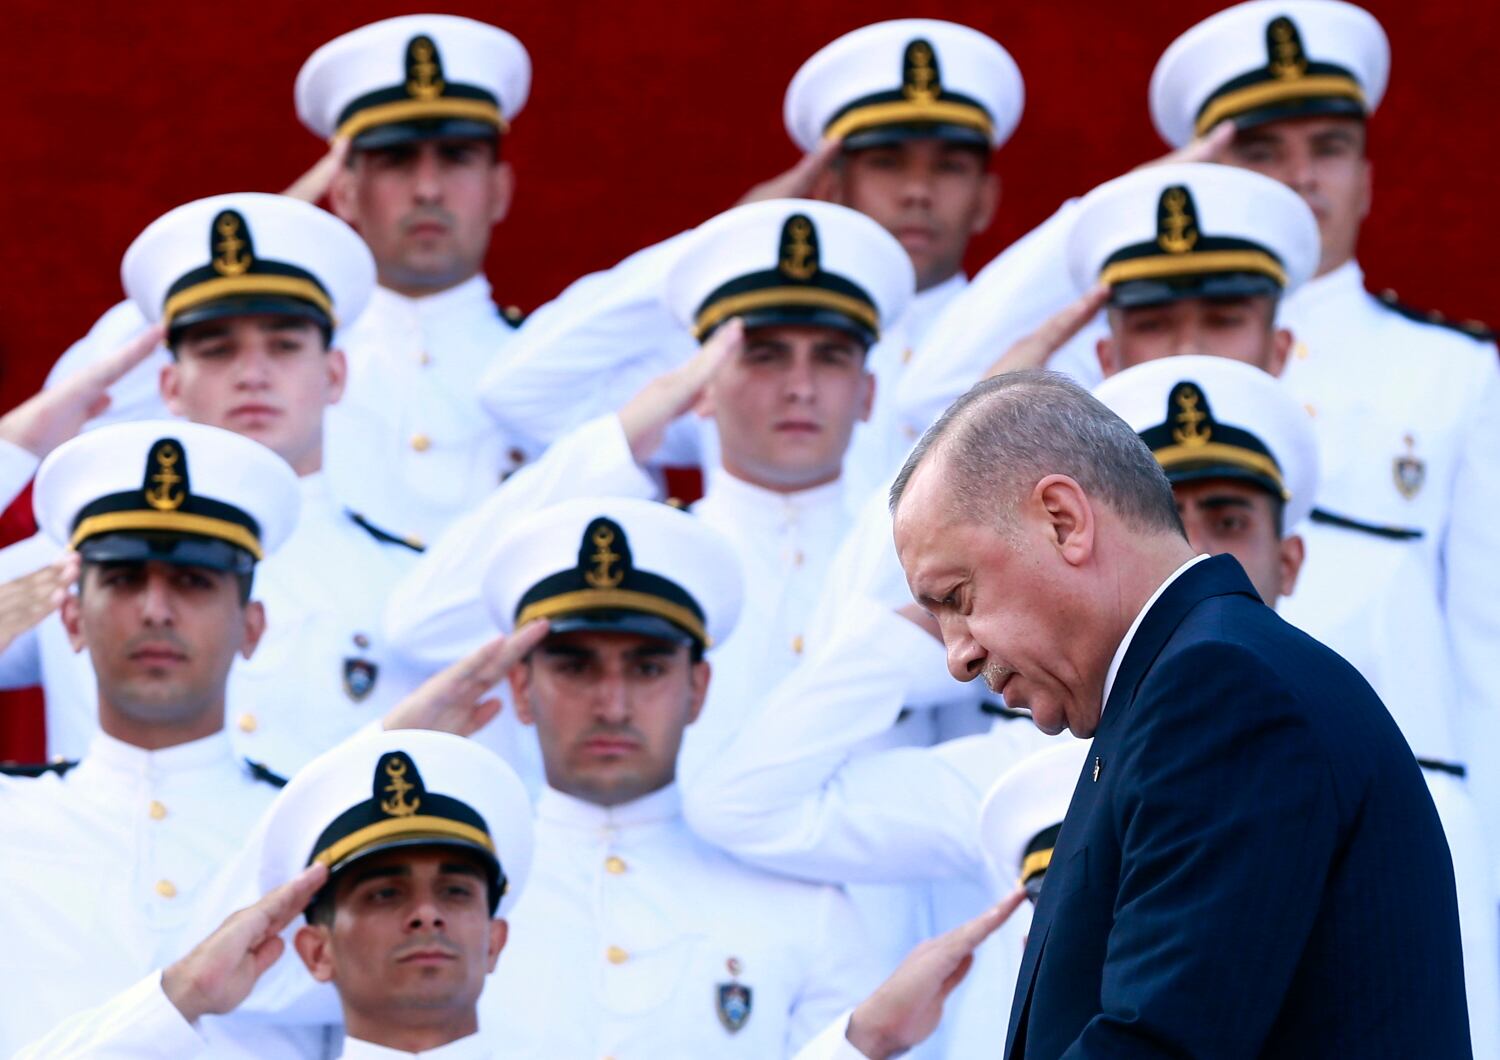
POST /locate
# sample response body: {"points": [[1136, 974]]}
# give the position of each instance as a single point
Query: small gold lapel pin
{"points": [[1098, 765]]}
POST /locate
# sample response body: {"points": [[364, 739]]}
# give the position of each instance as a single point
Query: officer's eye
{"points": [[650, 668]]}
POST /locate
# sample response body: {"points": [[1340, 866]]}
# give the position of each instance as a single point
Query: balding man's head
{"points": [[996, 442], [1033, 524]]}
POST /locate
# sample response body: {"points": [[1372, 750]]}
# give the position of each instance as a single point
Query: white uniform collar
{"points": [[926, 305], [659, 807], [769, 506], [472, 1047], [210, 752], [1345, 281], [1114, 664], [464, 298]]}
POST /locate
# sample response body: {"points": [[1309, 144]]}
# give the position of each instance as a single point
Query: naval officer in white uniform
{"points": [[900, 120], [249, 289], [105, 859]]}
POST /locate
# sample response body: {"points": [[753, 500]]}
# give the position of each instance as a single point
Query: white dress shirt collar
{"points": [[1346, 281], [659, 807], [926, 305], [769, 507], [465, 298], [107, 753], [472, 1047], [1114, 664]]}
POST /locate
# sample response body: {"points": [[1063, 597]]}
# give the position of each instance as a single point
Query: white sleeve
{"points": [[840, 977], [588, 350], [832, 1043], [21, 661], [789, 795], [1010, 298], [435, 613], [1471, 594], [139, 1024], [17, 465], [137, 394]]}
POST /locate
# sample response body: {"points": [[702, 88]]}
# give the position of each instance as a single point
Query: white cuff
{"points": [[832, 1043]]}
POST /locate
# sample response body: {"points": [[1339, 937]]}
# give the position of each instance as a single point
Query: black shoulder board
{"points": [[999, 710], [265, 775], [1474, 329], [385, 536], [512, 315], [1343, 522], [18, 769]]}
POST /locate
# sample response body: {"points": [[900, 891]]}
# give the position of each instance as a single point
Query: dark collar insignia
{"points": [[799, 248], [424, 69], [166, 485], [1285, 58], [229, 247], [920, 79], [1176, 220]]}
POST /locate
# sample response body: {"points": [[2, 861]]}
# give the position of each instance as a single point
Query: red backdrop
{"points": [[645, 118]]}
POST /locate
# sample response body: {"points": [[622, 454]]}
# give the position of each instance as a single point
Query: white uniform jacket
{"points": [[104, 865], [321, 670], [635, 939], [409, 445]]}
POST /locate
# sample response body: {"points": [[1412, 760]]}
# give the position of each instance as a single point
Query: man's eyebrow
{"points": [[461, 868], [653, 650], [572, 651]]}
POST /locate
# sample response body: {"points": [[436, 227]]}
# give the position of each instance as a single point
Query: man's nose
{"points": [[965, 656], [156, 601], [612, 700]]}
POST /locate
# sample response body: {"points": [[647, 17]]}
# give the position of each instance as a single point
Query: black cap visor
{"points": [[803, 316], [1132, 294], [888, 135], [184, 550], [1292, 109], [636, 623], [410, 132], [246, 306], [1208, 470], [495, 880]]}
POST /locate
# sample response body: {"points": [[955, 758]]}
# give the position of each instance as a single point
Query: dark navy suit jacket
{"points": [[1251, 864]]}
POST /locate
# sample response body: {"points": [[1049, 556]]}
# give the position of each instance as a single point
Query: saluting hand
{"points": [[808, 179], [27, 600], [1033, 350], [1212, 146], [645, 417], [454, 700], [313, 185], [221, 970], [905, 1009], [44, 421]]}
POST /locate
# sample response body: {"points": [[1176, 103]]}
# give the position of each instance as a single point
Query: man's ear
{"points": [[170, 385], [312, 945], [1069, 517], [502, 190], [71, 614], [698, 681], [1108, 353], [499, 932], [867, 405], [989, 203], [1281, 348], [336, 365], [1292, 552], [255, 627], [520, 686], [342, 193]]}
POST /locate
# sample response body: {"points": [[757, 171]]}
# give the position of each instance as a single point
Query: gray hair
{"points": [[1007, 433]]}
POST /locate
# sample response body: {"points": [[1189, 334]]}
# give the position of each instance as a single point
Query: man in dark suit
{"points": [[1251, 864]]}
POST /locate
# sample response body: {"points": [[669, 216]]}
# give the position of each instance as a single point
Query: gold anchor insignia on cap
{"points": [[1191, 419], [799, 248], [1176, 221], [424, 69], [231, 244], [1286, 59], [919, 81], [398, 805], [606, 573], [163, 477]]}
